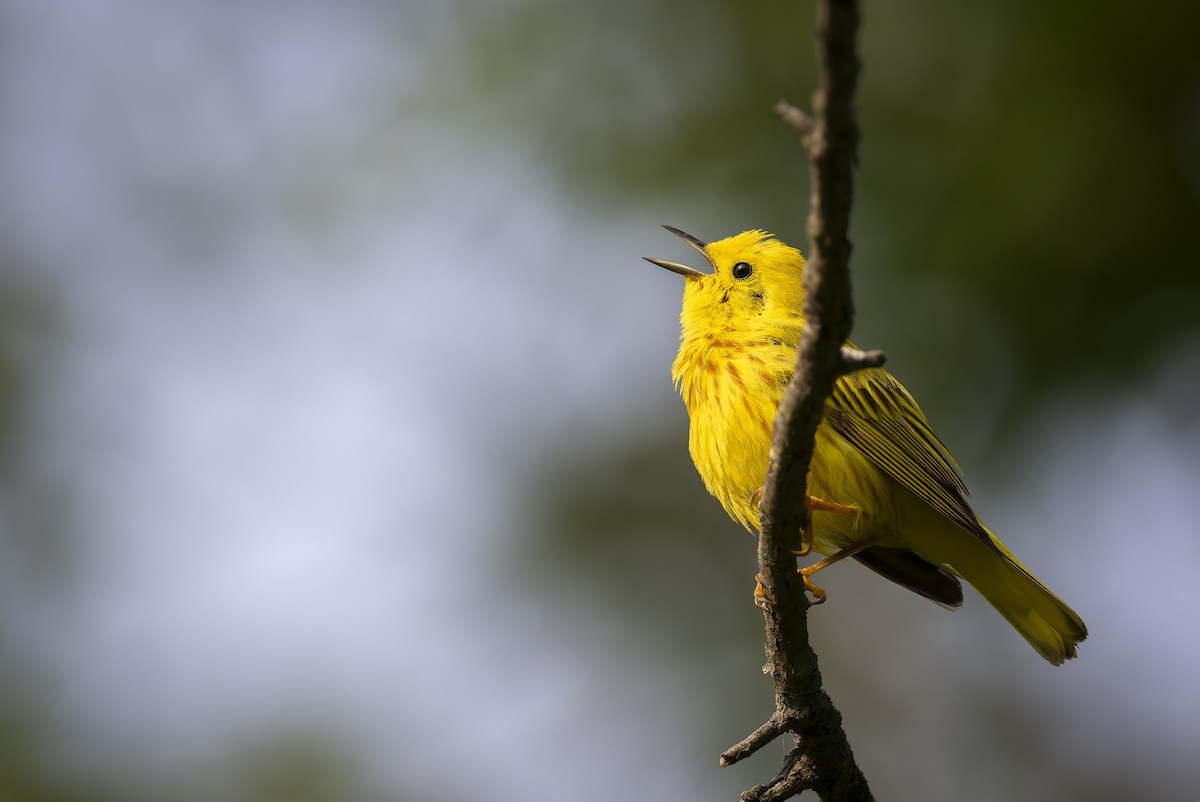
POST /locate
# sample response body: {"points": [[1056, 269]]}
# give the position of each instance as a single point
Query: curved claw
{"points": [[818, 593], [811, 503], [806, 572], [806, 541]]}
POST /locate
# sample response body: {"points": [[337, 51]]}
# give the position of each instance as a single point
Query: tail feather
{"points": [[1042, 618]]}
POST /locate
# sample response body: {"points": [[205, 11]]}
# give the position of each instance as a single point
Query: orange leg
{"points": [[810, 503], [819, 595], [806, 541], [820, 504], [814, 503]]}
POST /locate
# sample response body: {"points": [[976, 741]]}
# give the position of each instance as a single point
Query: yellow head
{"points": [[754, 275]]}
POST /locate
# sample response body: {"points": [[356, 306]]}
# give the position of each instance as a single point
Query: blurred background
{"points": [[339, 458]]}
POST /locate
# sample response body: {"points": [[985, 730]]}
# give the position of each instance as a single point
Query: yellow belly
{"points": [[732, 414]]}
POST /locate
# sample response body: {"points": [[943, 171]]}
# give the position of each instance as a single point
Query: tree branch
{"points": [[798, 120], [821, 759]]}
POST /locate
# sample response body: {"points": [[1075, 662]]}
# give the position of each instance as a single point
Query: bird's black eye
{"points": [[742, 270]]}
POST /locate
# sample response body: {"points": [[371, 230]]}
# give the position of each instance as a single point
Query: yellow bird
{"points": [[884, 488]]}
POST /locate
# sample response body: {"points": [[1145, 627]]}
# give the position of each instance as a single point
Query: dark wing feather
{"points": [[920, 576], [874, 412]]}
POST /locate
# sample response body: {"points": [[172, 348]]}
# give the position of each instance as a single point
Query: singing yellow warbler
{"points": [[884, 488]]}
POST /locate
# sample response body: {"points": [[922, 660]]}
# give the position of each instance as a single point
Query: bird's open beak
{"points": [[675, 267]]}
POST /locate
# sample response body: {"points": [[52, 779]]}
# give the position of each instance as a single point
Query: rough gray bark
{"points": [[821, 759]]}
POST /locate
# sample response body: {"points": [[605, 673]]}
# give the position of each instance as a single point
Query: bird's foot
{"points": [[814, 503], [810, 503], [819, 595], [760, 595]]}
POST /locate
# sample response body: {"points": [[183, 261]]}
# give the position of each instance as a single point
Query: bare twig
{"points": [[853, 359], [796, 119], [822, 759]]}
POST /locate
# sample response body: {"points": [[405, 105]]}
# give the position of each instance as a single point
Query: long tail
{"points": [[1043, 619]]}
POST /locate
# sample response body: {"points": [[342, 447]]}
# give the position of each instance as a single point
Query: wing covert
{"points": [[873, 411]]}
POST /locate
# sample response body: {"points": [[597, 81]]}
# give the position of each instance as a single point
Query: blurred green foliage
{"points": [[1042, 160], [1030, 175], [1030, 181]]}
